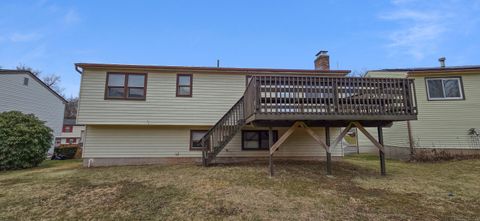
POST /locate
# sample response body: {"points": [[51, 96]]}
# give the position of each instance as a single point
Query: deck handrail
{"points": [[319, 95]]}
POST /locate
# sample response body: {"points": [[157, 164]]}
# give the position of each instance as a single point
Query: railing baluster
{"points": [[275, 93], [319, 95], [316, 101], [350, 94], [357, 96], [372, 98]]}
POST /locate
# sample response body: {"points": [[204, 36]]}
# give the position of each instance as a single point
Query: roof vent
{"points": [[442, 61]]}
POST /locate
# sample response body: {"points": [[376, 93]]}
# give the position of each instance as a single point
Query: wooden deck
{"points": [[328, 101]]}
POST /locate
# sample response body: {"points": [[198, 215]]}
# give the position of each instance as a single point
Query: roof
{"points": [[436, 69], [6, 71], [206, 69]]}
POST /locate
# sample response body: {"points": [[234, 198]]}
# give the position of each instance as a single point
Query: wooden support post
{"points": [[270, 144], [204, 158], [383, 171], [329, 154], [284, 137]]}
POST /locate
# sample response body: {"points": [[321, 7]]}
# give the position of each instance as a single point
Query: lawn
{"points": [[299, 191]]}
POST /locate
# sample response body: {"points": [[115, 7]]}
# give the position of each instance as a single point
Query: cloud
{"points": [[419, 28], [414, 15], [71, 17], [23, 37]]}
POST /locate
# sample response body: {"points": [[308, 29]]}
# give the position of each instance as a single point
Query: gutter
{"points": [[78, 69]]}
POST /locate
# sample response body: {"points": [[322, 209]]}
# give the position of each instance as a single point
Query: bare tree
{"points": [[71, 108], [23, 67], [52, 80]]}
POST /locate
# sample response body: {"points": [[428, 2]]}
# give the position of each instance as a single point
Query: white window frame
{"points": [[460, 86]]}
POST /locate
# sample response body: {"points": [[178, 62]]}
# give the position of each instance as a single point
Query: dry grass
{"points": [[61, 190]]}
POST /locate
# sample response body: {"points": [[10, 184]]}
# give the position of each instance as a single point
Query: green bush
{"points": [[24, 140]]}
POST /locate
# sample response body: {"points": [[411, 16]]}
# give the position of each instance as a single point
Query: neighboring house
{"points": [[448, 100], [23, 91], [138, 114], [72, 134]]}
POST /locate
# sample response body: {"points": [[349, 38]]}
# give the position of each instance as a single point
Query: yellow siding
{"points": [[440, 124], [395, 136], [173, 141], [445, 124], [213, 95]]}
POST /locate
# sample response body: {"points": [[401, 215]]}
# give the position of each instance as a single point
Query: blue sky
{"points": [[359, 35]]}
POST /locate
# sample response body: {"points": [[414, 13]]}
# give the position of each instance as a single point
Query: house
{"points": [[448, 102], [72, 134], [142, 114], [23, 91]]}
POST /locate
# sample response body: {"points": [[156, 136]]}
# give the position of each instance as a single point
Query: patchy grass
{"points": [[60, 190]]}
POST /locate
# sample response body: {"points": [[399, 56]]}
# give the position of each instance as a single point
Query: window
{"points": [[444, 88], [195, 139], [184, 85], [67, 128], [71, 140], [131, 86], [58, 141], [25, 81], [257, 139]]}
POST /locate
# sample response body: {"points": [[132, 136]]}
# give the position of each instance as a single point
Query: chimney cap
{"points": [[442, 59], [323, 52]]}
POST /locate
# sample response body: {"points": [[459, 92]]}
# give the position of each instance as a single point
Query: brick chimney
{"points": [[322, 61]]}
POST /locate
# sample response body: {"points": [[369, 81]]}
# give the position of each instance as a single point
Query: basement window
{"points": [[444, 88], [257, 139], [196, 139], [126, 86]]}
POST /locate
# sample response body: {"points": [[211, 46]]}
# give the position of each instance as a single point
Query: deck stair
{"points": [[223, 132]]}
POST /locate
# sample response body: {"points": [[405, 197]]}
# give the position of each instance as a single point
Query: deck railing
{"points": [[313, 95]]}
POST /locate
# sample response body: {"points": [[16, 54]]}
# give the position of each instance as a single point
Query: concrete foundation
{"points": [[100, 162]]}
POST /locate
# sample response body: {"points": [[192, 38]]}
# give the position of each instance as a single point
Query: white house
{"points": [[72, 134], [23, 91]]}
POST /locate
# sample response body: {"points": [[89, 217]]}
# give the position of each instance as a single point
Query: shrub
{"points": [[24, 140], [441, 155]]}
